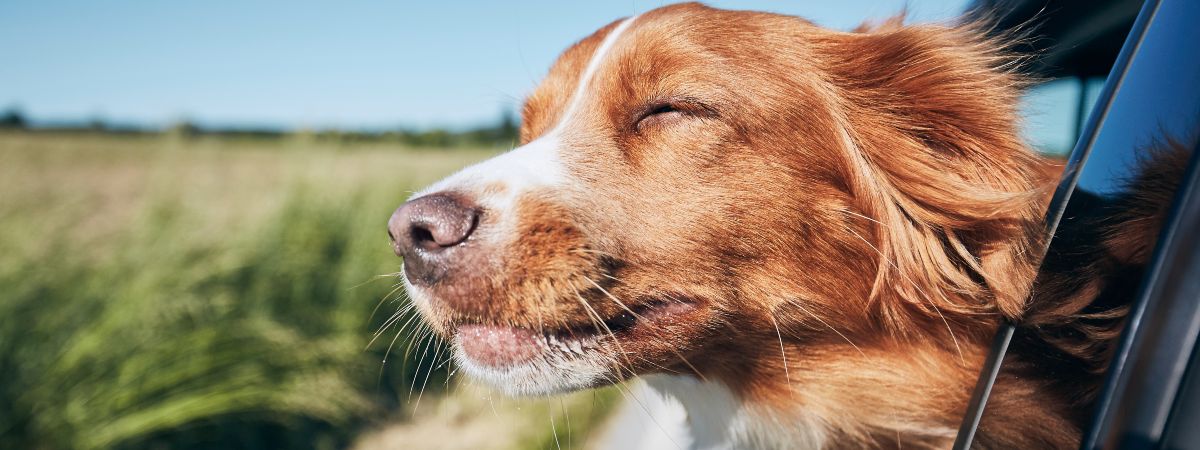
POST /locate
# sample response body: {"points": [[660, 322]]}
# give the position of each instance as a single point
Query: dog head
{"points": [[694, 185]]}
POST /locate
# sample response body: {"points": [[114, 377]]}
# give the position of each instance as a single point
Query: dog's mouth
{"points": [[501, 346]]}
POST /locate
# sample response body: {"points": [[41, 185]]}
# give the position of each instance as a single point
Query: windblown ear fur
{"points": [[933, 153]]}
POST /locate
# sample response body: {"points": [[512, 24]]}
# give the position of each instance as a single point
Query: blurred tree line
{"points": [[502, 133], [12, 118]]}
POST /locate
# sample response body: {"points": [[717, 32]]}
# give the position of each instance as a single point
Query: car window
{"points": [[1112, 221]]}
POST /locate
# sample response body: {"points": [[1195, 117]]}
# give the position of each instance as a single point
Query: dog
{"points": [[807, 236]]}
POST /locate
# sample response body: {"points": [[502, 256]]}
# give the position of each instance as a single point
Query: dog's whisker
{"points": [[427, 342], [388, 324], [593, 251], [949, 329], [782, 353], [659, 366], [628, 394], [567, 418], [386, 353], [818, 318], [852, 213], [608, 330], [553, 427], [450, 375], [417, 336], [412, 324], [612, 341], [395, 318], [444, 362], [639, 317], [429, 371], [383, 300]]}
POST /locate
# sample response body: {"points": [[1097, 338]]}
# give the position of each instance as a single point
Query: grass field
{"points": [[171, 292]]}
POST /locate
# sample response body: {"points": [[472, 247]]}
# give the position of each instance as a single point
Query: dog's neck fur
{"points": [[911, 402]]}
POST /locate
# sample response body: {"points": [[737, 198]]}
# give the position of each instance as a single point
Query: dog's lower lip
{"points": [[499, 345], [502, 346]]}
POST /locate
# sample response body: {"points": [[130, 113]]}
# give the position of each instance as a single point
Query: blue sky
{"points": [[354, 64], [303, 63]]}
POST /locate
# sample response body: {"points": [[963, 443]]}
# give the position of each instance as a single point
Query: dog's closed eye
{"points": [[665, 112]]}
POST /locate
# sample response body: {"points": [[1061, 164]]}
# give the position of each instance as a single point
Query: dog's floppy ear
{"points": [[929, 121]]}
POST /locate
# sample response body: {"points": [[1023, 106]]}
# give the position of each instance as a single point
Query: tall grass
{"points": [[159, 292]]}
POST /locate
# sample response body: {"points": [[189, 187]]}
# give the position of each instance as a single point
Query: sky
{"points": [[350, 64], [353, 63]]}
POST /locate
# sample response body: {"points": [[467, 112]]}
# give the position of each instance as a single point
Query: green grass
{"points": [[173, 293]]}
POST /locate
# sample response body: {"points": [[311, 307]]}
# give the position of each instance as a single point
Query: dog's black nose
{"points": [[426, 230]]}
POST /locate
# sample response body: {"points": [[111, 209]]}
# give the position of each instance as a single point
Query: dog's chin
{"points": [[552, 367]]}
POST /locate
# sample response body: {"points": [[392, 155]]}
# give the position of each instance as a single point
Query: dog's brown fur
{"points": [[862, 200]]}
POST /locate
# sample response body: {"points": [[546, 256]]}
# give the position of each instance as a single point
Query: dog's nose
{"points": [[425, 230]]}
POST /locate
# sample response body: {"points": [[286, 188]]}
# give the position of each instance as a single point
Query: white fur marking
{"points": [[589, 72], [495, 185], [646, 420], [718, 419], [536, 164]]}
